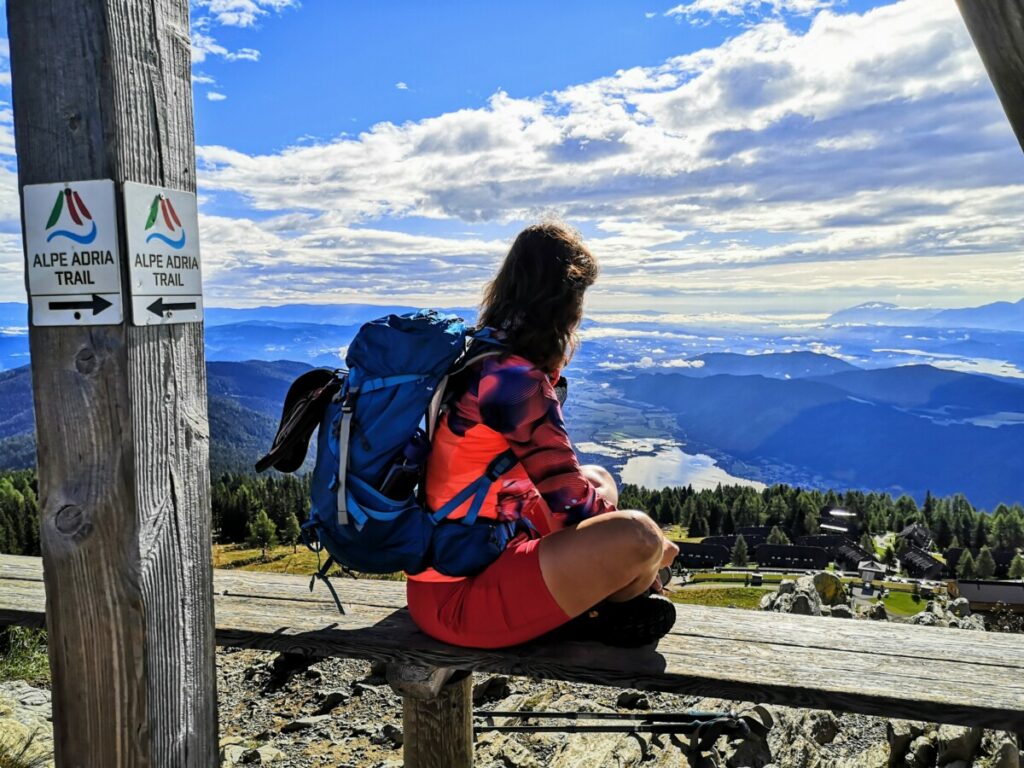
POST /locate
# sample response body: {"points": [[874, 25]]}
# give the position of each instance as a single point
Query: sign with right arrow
{"points": [[71, 255], [165, 278]]}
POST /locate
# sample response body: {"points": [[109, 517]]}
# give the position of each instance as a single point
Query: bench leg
{"points": [[437, 716]]}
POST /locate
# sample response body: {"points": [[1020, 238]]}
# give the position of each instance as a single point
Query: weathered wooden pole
{"points": [[437, 715], [102, 90], [997, 28]]}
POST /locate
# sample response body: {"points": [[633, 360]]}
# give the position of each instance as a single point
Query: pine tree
{"points": [[868, 543], [262, 532], [965, 568], [739, 552], [1017, 567], [889, 558], [291, 533], [776, 536], [699, 527], [986, 566]]}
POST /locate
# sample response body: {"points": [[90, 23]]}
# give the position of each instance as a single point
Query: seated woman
{"points": [[579, 566]]}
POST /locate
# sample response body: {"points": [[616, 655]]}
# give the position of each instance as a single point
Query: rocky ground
{"points": [[337, 712], [285, 711]]}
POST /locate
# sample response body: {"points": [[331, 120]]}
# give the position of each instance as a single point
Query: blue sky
{"points": [[721, 156]]}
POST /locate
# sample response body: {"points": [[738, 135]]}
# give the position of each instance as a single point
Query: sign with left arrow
{"points": [[71, 255], [164, 274]]}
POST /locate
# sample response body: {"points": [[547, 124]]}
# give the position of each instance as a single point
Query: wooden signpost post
{"points": [[102, 91]]}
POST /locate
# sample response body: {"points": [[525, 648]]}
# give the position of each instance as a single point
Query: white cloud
{"points": [[401, 86], [214, 96], [796, 170], [241, 13], [703, 9]]}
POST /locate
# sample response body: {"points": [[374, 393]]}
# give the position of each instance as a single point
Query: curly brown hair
{"points": [[537, 295]]}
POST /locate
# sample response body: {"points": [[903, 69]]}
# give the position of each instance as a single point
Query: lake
{"points": [[672, 466]]}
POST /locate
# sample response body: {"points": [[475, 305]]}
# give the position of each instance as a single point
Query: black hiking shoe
{"points": [[640, 621]]}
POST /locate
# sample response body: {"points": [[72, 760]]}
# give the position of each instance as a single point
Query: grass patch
{"points": [[903, 604], [282, 559], [22, 753], [23, 656], [728, 597]]}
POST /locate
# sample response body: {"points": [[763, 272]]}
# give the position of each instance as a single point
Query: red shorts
{"points": [[506, 604]]}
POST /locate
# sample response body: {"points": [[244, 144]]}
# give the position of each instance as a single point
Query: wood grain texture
{"points": [[439, 732], [887, 669], [997, 28], [101, 89]]}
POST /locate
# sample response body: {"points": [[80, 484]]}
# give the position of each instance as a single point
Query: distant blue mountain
{"points": [[898, 430], [244, 398], [776, 365], [881, 313], [1000, 316], [315, 314], [926, 388]]}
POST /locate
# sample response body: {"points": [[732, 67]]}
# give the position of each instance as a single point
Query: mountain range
{"points": [[999, 316], [846, 403]]}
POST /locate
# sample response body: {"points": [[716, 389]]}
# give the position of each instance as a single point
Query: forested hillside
{"points": [[240, 502]]}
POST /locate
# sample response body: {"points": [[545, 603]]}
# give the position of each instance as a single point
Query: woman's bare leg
{"points": [[615, 555]]}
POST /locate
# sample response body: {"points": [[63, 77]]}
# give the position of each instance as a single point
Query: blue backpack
{"points": [[375, 424]]}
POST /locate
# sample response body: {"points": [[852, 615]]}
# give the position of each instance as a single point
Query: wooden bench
{"points": [[874, 668]]}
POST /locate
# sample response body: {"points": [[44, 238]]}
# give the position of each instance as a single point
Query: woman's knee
{"points": [[641, 535]]}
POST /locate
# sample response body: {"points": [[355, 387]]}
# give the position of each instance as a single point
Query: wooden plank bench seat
{"points": [[875, 668]]}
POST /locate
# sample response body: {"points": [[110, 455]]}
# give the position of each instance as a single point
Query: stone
{"points": [[956, 742], [877, 612], [826, 610], [961, 607], [232, 754], [599, 750], [390, 735], [250, 757], [787, 587], [270, 754], [304, 723], [330, 700], [900, 733], [493, 688], [822, 726], [1006, 756], [766, 601], [830, 588], [783, 602], [842, 611], [633, 700], [973, 623], [926, 619], [805, 605], [921, 753]]}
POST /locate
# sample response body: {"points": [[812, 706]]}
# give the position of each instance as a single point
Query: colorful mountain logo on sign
{"points": [[163, 208], [79, 214]]}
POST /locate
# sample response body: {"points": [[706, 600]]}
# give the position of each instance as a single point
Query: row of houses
{"points": [[816, 552]]}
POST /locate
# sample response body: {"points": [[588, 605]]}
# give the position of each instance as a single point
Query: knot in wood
{"points": [[85, 361], [72, 521], [74, 120]]}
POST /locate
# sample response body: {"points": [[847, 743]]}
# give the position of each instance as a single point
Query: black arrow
{"points": [[97, 304], [158, 307]]}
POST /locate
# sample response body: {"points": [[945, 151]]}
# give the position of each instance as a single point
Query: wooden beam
{"points": [[997, 28], [874, 668], [102, 90]]}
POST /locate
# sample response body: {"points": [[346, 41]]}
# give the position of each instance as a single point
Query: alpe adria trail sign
{"points": [[163, 255], [71, 253], [74, 264]]}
